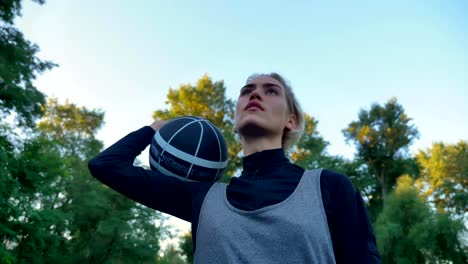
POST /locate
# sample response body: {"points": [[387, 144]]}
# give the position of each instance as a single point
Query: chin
{"points": [[251, 128]]}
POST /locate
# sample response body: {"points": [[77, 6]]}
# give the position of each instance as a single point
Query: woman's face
{"points": [[262, 108]]}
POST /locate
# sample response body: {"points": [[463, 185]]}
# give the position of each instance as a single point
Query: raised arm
{"points": [[114, 167]]}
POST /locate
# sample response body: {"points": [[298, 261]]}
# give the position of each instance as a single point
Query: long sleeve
{"points": [[350, 227], [114, 167], [372, 254]]}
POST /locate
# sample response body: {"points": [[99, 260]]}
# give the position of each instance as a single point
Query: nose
{"points": [[255, 94]]}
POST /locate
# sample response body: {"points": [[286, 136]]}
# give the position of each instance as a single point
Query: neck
{"points": [[251, 145]]}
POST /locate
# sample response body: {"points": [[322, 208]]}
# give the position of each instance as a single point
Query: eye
{"points": [[272, 91], [245, 91]]}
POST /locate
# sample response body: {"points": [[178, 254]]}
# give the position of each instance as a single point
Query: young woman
{"points": [[275, 212]]}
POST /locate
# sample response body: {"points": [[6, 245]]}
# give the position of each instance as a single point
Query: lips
{"points": [[254, 104]]}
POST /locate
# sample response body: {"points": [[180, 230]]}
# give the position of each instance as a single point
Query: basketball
{"points": [[189, 148]]}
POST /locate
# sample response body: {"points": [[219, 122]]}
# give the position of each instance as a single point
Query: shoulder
{"points": [[337, 191], [335, 180], [198, 191]]}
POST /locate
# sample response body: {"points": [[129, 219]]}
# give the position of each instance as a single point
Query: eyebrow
{"points": [[265, 85]]}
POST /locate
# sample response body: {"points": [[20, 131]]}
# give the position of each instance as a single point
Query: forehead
{"points": [[261, 80]]}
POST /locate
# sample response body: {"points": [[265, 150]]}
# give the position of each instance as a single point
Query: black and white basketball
{"points": [[189, 148]]}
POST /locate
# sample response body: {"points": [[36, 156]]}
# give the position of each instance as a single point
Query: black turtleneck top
{"points": [[268, 177]]}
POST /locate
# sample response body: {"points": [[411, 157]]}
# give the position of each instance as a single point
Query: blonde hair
{"points": [[290, 137]]}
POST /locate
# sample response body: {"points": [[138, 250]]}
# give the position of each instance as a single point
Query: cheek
{"points": [[281, 108], [238, 105], [237, 112]]}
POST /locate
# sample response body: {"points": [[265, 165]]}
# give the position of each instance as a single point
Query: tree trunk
{"points": [[20, 250], [380, 178], [384, 190]]}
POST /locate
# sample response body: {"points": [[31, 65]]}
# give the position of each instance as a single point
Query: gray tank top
{"points": [[292, 231]]}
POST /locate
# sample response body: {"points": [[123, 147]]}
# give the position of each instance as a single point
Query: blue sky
{"points": [[340, 56], [122, 57]]}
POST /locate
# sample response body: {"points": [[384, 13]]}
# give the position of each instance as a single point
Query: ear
{"points": [[291, 124]]}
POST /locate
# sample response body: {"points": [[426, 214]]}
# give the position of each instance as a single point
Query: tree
{"points": [[28, 165], [186, 246], [310, 148], [444, 176], [29, 193], [8, 187], [11, 8], [40, 174], [102, 225], [382, 136], [53, 211], [73, 128], [408, 231], [171, 256], [206, 99], [19, 66]]}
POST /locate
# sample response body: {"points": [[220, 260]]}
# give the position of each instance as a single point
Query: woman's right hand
{"points": [[157, 124]]}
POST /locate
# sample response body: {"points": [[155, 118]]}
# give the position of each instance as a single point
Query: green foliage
{"points": [[382, 136], [72, 127], [206, 99], [29, 167], [408, 231], [444, 176], [28, 214], [364, 181], [53, 211], [19, 66], [109, 228], [310, 147], [67, 118], [186, 246], [103, 225], [11, 8], [171, 256]]}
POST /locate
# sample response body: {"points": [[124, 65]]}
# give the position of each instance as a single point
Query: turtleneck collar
{"points": [[264, 159]]}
